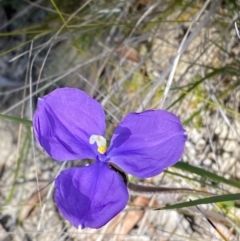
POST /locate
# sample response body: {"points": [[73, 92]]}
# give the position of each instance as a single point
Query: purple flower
{"points": [[70, 125]]}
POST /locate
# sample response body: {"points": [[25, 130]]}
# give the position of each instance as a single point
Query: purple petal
{"points": [[64, 121], [146, 143], [90, 196]]}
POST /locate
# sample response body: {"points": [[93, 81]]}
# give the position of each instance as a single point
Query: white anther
{"points": [[100, 140]]}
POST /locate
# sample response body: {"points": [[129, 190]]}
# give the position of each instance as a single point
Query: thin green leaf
{"points": [[215, 199], [17, 119], [194, 85], [206, 174], [203, 182], [22, 156]]}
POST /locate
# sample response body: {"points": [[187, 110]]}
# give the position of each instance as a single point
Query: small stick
{"points": [[237, 31], [212, 224], [139, 189]]}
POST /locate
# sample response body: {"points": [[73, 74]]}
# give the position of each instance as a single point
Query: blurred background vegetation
{"points": [[133, 55]]}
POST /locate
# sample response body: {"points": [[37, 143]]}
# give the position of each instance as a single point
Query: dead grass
{"points": [[130, 55]]}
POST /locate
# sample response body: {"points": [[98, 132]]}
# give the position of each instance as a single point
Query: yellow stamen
{"points": [[102, 149]]}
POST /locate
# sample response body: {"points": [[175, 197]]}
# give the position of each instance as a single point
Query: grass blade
{"points": [[206, 174], [215, 199], [17, 119]]}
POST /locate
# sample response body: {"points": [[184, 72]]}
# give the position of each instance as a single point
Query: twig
{"points": [[139, 189]]}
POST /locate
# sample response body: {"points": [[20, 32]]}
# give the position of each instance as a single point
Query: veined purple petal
{"points": [[64, 121], [90, 196], [146, 143]]}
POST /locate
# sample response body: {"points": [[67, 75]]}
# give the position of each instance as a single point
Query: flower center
{"points": [[100, 141]]}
